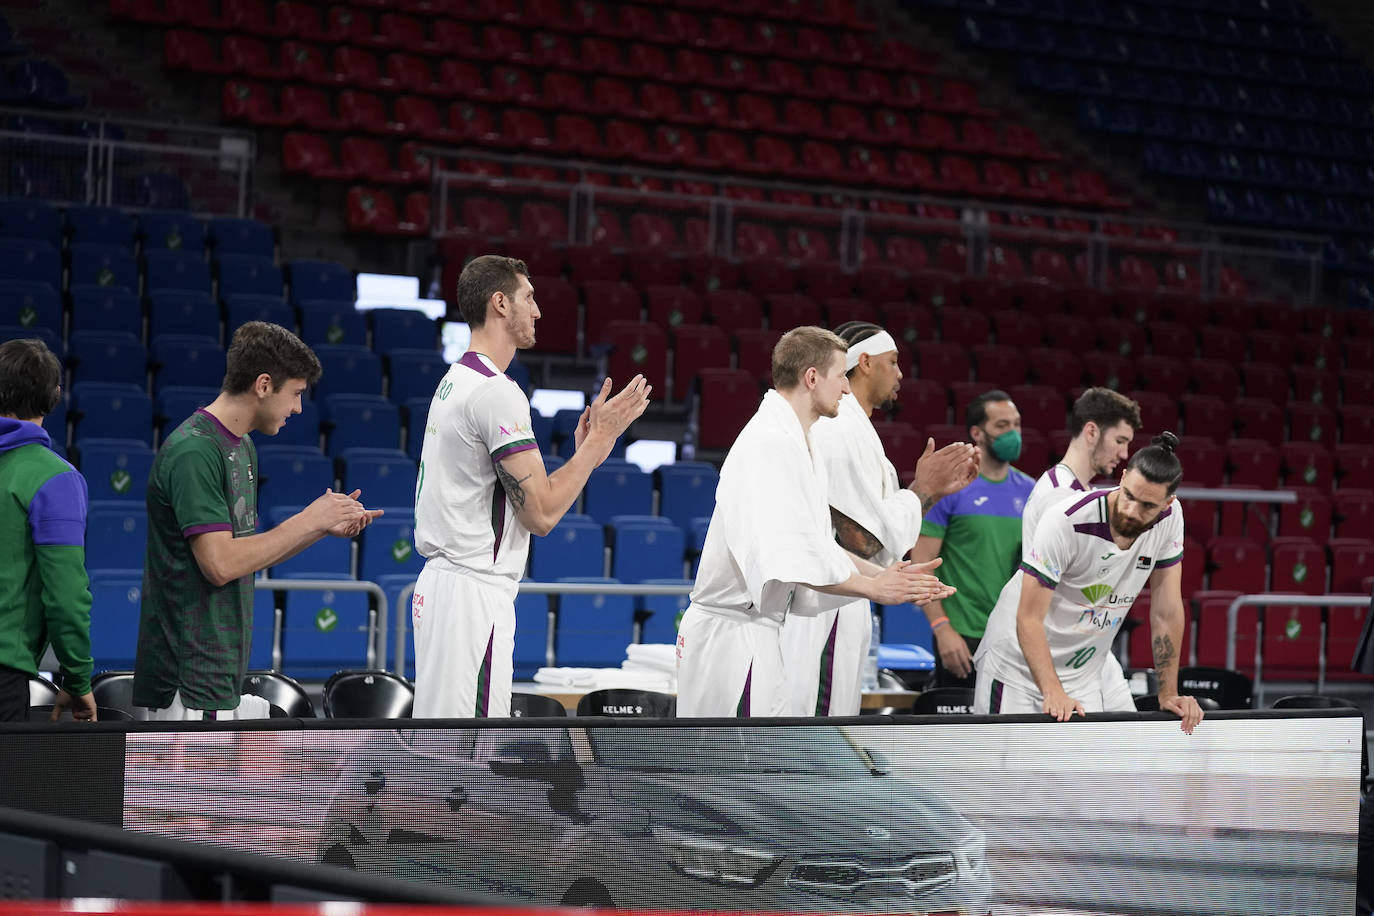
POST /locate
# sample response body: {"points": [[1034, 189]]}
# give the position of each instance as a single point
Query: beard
{"points": [[1126, 527], [889, 402]]}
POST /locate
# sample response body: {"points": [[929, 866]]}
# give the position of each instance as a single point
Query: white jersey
{"points": [[1094, 583], [463, 517], [1055, 485]]}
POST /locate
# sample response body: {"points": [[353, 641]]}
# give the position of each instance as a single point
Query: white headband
{"points": [[881, 342]]}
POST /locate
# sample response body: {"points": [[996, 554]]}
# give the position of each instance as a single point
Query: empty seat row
{"points": [[32, 218]]}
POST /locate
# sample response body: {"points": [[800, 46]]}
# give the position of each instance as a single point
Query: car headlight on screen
{"points": [[971, 852], [714, 860]]}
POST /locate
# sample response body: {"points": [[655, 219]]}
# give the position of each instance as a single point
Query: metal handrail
{"points": [[376, 625], [1228, 495], [1271, 599]]}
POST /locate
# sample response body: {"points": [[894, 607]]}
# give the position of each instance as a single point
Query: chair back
{"points": [[623, 702], [115, 690], [536, 706], [42, 692], [944, 701], [367, 695], [1313, 701], [102, 714], [1149, 702], [1231, 689], [281, 691]]}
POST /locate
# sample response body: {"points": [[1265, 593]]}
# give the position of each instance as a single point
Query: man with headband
{"points": [[769, 552], [873, 515], [978, 533]]}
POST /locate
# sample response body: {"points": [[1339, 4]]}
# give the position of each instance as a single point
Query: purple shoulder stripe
{"points": [[1172, 561], [1038, 576], [1100, 529], [202, 529], [1096, 494], [472, 361]]}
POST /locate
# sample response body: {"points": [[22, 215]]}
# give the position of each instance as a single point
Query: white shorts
{"points": [[250, 707], [823, 657], [464, 646], [728, 667], [1111, 693]]}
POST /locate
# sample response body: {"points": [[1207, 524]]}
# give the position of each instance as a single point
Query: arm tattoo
{"points": [[926, 502], [854, 537], [512, 486], [1164, 653]]}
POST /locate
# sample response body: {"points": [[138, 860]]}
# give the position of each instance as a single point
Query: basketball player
{"points": [[874, 517], [482, 489], [1046, 649], [769, 550]]}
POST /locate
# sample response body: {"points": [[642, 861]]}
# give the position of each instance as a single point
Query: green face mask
{"points": [[1007, 447]]}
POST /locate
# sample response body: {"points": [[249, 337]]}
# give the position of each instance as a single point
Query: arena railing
{"points": [[377, 611], [68, 159], [854, 213], [1271, 599]]}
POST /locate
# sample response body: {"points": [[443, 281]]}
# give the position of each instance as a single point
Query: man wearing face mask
{"points": [[978, 533]]}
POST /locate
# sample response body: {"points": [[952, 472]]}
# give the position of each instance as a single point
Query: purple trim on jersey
{"points": [[1054, 481], [1101, 529], [223, 430], [498, 518], [512, 448], [1172, 561], [827, 683], [995, 697], [1039, 576], [1162, 516], [471, 360], [1078, 485], [194, 530], [1095, 494], [742, 707]]}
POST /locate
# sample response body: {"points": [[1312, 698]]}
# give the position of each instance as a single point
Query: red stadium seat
{"points": [[1312, 423], [1057, 368], [1120, 336], [1236, 563], [311, 155], [942, 362], [1002, 364], [636, 348], [1042, 408], [373, 210], [186, 50], [250, 57], [251, 16], [1357, 424], [729, 398], [309, 107], [609, 301], [367, 157], [903, 445], [359, 68], [1352, 561], [1159, 411], [907, 322], [921, 402], [1307, 464], [1317, 386], [251, 102], [697, 347], [1207, 416], [1163, 374], [839, 310], [754, 351], [671, 306], [1354, 465], [1211, 611]]}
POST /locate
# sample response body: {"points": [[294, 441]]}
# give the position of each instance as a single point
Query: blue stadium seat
{"points": [[154, 191], [175, 269], [174, 403], [553, 463], [563, 426], [348, 369], [240, 310], [55, 422], [31, 260], [191, 359], [575, 547], [181, 311], [906, 623], [543, 431], [687, 490], [28, 304], [325, 322], [111, 410], [361, 420], [265, 627], [326, 558], [291, 475], [108, 356], [696, 539], [328, 280], [403, 329], [645, 547], [103, 266], [100, 225], [247, 275], [387, 546], [519, 373], [116, 535], [172, 231], [618, 488], [96, 308], [302, 429], [532, 621], [116, 598], [593, 630], [325, 630], [416, 413], [659, 613], [414, 374], [234, 235], [115, 469], [393, 584], [385, 475], [30, 220]]}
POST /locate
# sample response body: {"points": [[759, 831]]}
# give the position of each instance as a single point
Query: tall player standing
{"points": [[483, 490]]}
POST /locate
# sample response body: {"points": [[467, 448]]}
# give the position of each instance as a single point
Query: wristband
{"points": [[938, 622]]}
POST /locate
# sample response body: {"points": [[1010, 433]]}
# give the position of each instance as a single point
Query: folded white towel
{"points": [[564, 677]]}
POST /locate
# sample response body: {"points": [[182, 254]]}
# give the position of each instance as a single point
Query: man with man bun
{"points": [[873, 515], [769, 550], [1047, 645]]}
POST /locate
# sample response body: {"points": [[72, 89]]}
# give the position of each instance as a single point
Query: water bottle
{"points": [[870, 674]]}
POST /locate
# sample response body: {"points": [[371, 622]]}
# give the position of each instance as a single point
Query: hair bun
{"points": [[1165, 440]]}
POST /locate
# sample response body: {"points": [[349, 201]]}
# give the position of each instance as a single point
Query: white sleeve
{"points": [[1051, 549], [501, 417], [857, 490]]}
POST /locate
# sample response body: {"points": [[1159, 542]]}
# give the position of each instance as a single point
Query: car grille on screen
{"points": [[917, 874]]}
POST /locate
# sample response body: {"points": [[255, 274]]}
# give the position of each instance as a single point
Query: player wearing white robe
{"points": [[770, 533]]}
